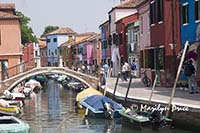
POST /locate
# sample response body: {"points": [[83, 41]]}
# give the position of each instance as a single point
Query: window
{"points": [[197, 10], [36, 53], [109, 18], [160, 10], [152, 12], [114, 38], [74, 51], [49, 52], [55, 40], [151, 59], [48, 40], [110, 40], [185, 13], [105, 44], [141, 25], [56, 52], [120, 38]]}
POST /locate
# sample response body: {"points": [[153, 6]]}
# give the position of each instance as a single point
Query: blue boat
{"points": [[101, 107]]}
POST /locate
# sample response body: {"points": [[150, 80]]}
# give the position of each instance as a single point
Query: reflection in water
{"points": [[53, 111]]}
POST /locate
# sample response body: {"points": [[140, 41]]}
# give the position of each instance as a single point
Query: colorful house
{"points": [[144, 35], [165, 41], [106, 42], [54, 40], [115, 14], [70, 50], [127, 30], [43, 51], [190, 28], [10, 40]]}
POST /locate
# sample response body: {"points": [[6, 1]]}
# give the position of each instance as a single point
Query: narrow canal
{"points": [[53, 111]]}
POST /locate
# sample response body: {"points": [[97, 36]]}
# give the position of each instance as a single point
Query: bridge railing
{"points": [[42, 62], [14, 70]]}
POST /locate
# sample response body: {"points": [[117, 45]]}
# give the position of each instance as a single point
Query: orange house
{"points": [[10, 40]]}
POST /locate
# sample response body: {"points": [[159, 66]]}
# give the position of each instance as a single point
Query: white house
{"points": [[115, 14]]}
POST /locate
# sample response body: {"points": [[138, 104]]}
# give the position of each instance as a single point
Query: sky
{"points": [[80, 15]]}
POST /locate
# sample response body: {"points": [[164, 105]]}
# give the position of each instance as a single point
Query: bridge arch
{"points": [[91, 81]]}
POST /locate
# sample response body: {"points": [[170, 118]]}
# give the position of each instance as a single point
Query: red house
{"points": [[165, 40], [28, 54], [121, 35]]}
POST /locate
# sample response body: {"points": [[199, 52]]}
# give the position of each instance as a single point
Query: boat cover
{"points": [[95, 103], [86, 93]]}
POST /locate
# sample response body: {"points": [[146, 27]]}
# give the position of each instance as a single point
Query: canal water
{"points": [[53, 111]]}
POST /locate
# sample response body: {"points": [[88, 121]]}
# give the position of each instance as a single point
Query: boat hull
{"points": [[142, 122]]}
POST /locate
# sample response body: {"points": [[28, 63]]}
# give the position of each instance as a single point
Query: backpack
{"points": [[133, 66], [189, 70]]}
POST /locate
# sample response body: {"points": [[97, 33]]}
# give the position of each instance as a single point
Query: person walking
{"points": [[125, 70], [134, 68], [189, 71]]}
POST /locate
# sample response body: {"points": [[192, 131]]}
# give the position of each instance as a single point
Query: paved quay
{"points": [[161, 94]]}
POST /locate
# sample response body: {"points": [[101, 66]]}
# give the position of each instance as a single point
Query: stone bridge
{"points": [[10, 83]]}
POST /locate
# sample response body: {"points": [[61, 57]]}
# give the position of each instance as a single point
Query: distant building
{"points": [[106, 42], [43, 51], [116, 13], [71, 50], [54, 40], [10, 40]]}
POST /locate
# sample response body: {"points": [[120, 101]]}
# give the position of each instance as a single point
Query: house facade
{"points": [[133, 43], [165, 41], [106, 43], [10, 40], [43, 51], [190, 29], [54, 40], [115, 14], [144, 35], [126, 30]]}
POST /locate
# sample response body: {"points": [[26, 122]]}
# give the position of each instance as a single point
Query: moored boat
{"points": [[143, 120], [7, 109], [85, 93], [7, 95], [34, 85], [101, 107], [10, 124]]}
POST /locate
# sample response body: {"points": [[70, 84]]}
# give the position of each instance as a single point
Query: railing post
{"points": [[38, 61], [119, 73], [128, 87], [60, 61]]}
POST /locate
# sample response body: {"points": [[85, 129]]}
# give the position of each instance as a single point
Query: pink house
{"points": [[10, 40]]}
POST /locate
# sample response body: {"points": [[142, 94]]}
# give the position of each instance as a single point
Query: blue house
{"points": [[190, 29], [105, 39], [190, 21], [54, 40]]}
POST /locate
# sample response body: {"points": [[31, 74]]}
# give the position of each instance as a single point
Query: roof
{"points": [[41, 43], [80, 38], [134, 14], [62, 31], [4, 15], [107, 21], [7, 6], [129, 4]]}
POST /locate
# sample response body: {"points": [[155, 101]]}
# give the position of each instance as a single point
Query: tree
{"points": [[49, 29], [26, 31]]}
